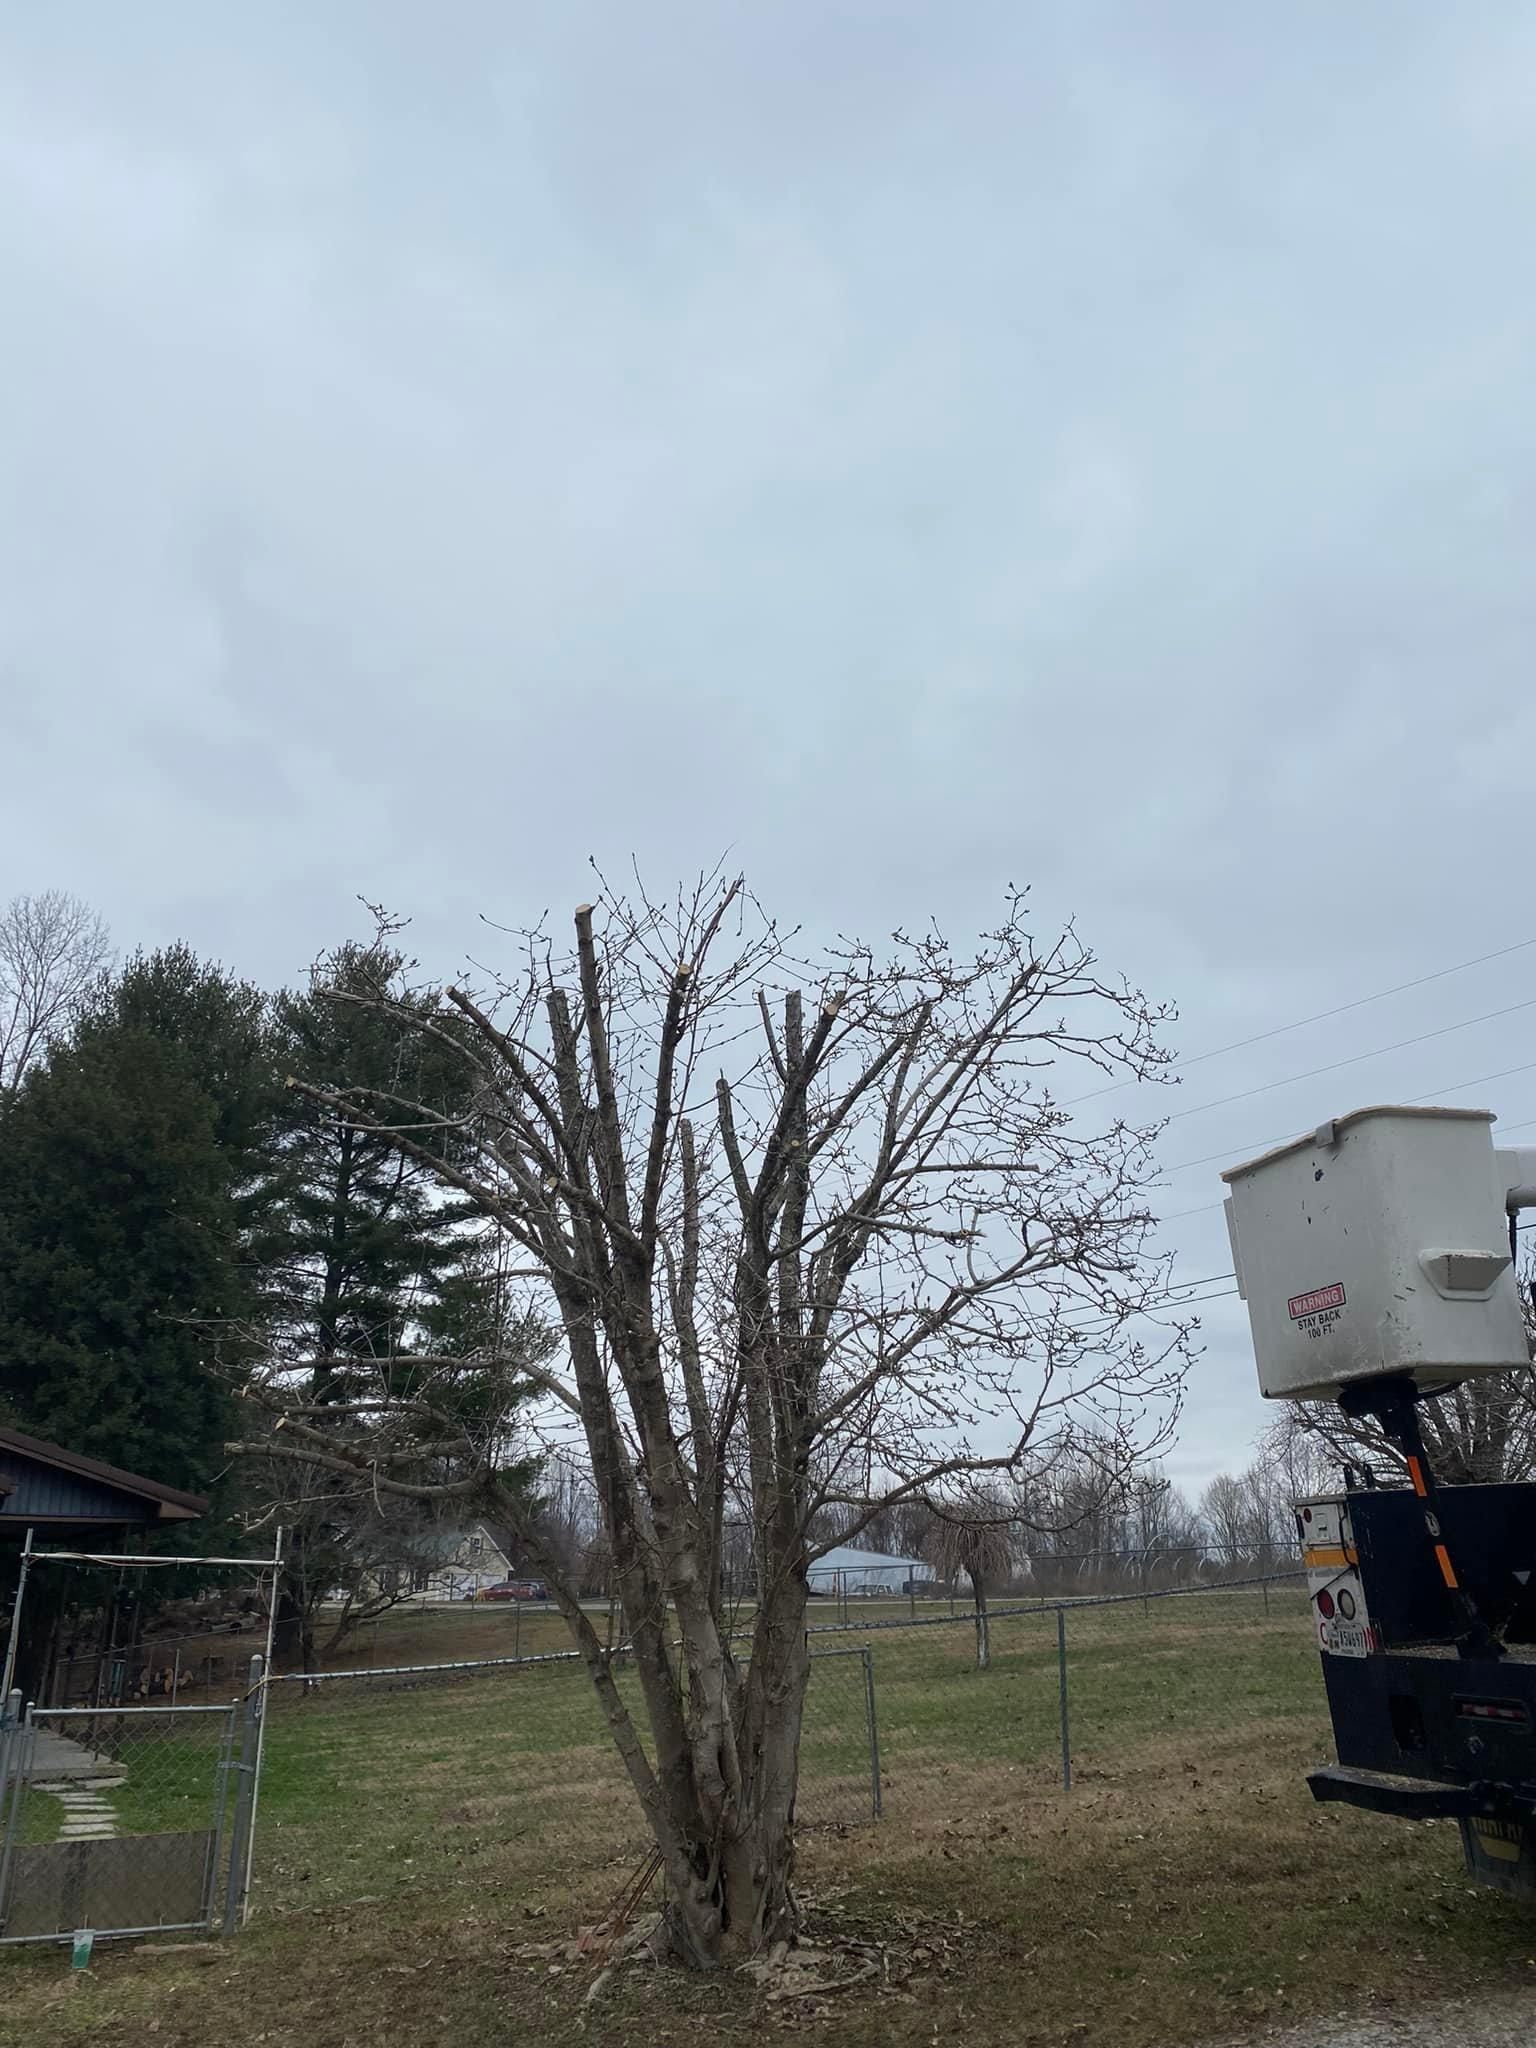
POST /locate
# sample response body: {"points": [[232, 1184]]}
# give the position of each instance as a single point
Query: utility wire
{"points": [[1111, 1321], [1504, 1130], [1319, 1017], [1434, 1094], [1354, 1060]]}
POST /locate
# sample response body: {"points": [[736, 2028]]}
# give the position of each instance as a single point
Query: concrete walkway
{"points": [[80, 1781], [57, 1757]]}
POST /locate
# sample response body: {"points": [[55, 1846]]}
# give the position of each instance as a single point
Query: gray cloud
{"points": [[918, 448]]}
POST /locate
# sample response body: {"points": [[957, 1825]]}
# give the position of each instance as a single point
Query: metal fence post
{"points": [[240, 1834], [15, 1771], [874, 1731], [13, 1640], [1061, 1665]]}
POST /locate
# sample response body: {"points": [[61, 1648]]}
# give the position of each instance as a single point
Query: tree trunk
{"points": [[983, 1628], [293, 1634], [731, 1890]]}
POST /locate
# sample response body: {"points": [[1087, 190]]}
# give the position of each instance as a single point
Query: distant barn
{"points": [[870, 1572]]}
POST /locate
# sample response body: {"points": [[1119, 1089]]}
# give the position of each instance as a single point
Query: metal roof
{"points": [[145, 1500]]}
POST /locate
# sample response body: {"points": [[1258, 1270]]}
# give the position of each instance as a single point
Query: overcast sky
{"points": [[914, 447]]}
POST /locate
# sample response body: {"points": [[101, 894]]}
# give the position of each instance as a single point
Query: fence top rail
{"points": [[308, 1678], [113, 1713], [862, 1627], [1067, 1603], [163, 1563], [568, 1658]]}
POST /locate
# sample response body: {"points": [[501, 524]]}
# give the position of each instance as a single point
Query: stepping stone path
{"points": [[88, 1815]]}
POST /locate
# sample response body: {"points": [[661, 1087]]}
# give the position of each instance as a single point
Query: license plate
{"points": [[1345, 1640]]}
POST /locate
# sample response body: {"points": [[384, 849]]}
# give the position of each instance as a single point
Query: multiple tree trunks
{"points": [[821, 1248]]}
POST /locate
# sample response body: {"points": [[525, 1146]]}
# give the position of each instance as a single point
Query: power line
{"points": [[1354, 1060], [1110, 1321], [1204, 1209], [1320, 1017], [1174, 1293], [1207, 1208], [1264, 1144]]}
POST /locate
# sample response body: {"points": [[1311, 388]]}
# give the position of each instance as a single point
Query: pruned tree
{"points": [[820, 1236], [53, 949]]}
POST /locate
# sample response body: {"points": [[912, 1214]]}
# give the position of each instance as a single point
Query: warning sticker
{"points": [[1314, 1303]]}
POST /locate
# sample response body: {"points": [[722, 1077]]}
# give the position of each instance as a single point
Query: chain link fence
{"points": [[1060, 1687], [1163, 1676], [122, 1820], [845, 1594], [500, 1770], [377, 1776], [372, 1773]]}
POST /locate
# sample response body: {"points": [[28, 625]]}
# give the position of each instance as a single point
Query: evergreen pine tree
{"points": [[364, 1265], [117, 1249]]}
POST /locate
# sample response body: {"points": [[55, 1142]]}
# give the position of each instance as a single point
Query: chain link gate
{"points": [[125, 1820]]}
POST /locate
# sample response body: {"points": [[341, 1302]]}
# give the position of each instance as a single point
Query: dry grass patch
{"points": [[1187, 1890]]}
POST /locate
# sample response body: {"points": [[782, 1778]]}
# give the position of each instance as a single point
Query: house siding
{"points": [[30, 1491]]}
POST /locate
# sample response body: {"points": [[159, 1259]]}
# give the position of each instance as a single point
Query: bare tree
{"points": [[1480, 1433], [1224, 1509], [821, 1240], [362, 1553], [972, 1533], [1297, 1461], [53, 949]]}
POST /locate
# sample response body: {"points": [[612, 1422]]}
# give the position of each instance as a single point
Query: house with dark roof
{"points": [[69, 1502], [61, 1495]]}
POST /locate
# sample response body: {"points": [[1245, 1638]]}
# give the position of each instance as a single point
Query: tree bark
{"points": [[983, 1625], [884, 1234]]}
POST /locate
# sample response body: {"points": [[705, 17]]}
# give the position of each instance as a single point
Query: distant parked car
{"points": [[512, 1589]]}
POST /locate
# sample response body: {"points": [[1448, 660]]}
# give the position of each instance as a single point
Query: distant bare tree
{"points": [[821, 1240], [1295, 1459], [972, 1533], [1247, 1517], [1224, 1510], [1479, 1433], [53, 948]]}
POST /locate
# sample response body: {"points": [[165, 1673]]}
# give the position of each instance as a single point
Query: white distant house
{"points": [[846, 1570], [457, 1562]]}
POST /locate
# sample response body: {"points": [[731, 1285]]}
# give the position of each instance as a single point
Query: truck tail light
{"points": [[1325, 1604], [1512, 1713]]}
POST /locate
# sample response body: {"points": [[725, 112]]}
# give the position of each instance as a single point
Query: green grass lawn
{"points": [[412, 1839]]}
